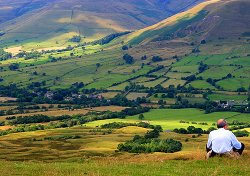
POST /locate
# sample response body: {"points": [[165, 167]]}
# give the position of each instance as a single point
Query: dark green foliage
{"points": [[14, 66], [117, 125], [62, 137], [156, 69], [190, 130], [144, 57], [246, 34], [156, 59], [2, 123], [36, 119], [109, 38], [141, 117], [190, 78], [202, 67], [125, 47], [2, 33], [75, 39], [32, 55], [242, 133], [4, 55], [196, 50], [149, 143], [128, 59], [203, 42]]}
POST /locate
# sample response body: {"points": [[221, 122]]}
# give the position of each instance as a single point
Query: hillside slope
{"points": [[214, 33], [60, 20], [215, 19]]}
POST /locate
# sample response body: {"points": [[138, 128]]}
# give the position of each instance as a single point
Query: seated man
{"points": [[223, 142]]}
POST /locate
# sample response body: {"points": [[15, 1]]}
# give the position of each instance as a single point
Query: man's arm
{"points": [[236, 144], [209, 142]]}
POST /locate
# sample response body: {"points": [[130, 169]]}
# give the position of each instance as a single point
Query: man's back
{"points": [[222, 141]]}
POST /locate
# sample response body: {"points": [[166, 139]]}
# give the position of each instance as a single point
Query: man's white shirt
{"points": [[222, 141]]}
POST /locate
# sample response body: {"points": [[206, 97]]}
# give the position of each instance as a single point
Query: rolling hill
{"points": [[224, 49], [211, 20], [57, 21]]}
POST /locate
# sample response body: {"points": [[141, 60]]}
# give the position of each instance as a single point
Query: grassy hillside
{"points": [[53, 23], [220, 166], [92, 152]]}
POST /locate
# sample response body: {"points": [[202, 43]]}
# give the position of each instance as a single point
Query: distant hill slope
{"points": [[41, 20], [215, 19]]}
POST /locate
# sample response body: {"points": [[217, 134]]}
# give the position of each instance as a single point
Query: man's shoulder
{"points": [[220, 131], [214, 131]]}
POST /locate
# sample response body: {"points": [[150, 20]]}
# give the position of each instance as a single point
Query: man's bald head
{"points": [[221, 123]]}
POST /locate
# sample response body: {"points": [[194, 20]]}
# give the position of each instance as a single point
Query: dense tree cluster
{"points": [[149, 143], [76, 39], [242, 133], [14, 66], [193, 130], [4, 55], [109, 38], [156, 59], [117, 125], [202, 67], [36, 119], [32, 55], [128, 59]]}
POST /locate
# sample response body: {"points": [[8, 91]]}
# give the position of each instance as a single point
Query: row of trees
{"points": [[35, 119], [193, 130], [117, 125]]}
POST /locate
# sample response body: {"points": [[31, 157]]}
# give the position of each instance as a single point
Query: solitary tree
{"points": [[141, 117]]}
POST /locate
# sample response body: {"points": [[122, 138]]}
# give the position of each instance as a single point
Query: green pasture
{"points": [[142, 79], [201, 84], [174, 82], [218, 72], [177, 75], [234, 83], [156, 99], [215, 97], [196, 115], [242, 73], [153, 83], [186, 69], [214, 60], [121, 86], [135, 95], [169, 118]]}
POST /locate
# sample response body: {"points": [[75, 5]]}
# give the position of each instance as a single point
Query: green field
{"points": [[224, 97], [234, 83], [174, 82], [153, 83], [201, 84], [169, 118]]}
